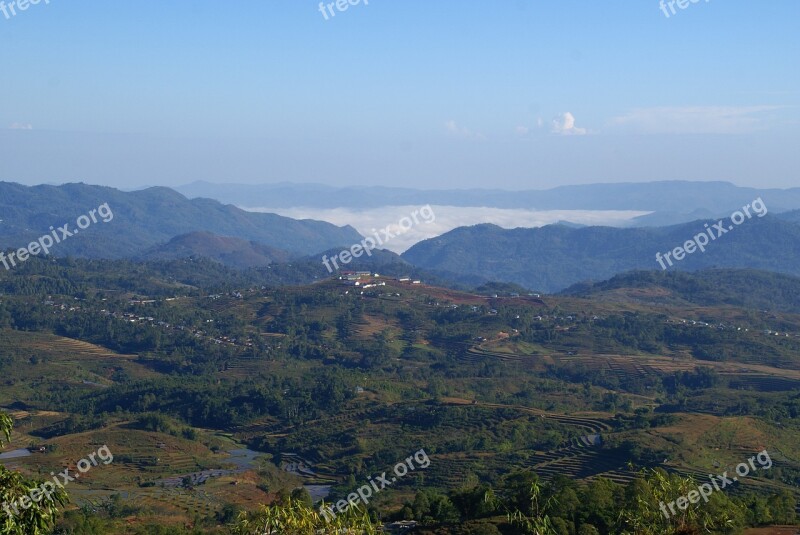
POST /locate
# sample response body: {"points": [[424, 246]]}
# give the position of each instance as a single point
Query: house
{"points": [[402, 526], [355, 275]]}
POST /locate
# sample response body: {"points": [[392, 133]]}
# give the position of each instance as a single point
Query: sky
{"points": [[514, 94]]}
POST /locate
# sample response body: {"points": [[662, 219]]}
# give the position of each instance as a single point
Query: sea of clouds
{"points": [[448, 218]]}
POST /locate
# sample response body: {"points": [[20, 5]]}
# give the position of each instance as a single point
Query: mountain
{"points": [[713, 287], [793, 216], [144, 219], [554, 257], [664, 219], [683, 201], [231, 252]]}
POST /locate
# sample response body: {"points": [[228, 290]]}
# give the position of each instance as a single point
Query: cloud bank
{"points": [[448, 218]]}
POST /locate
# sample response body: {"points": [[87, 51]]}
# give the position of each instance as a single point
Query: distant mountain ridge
{"points": [[161, 224], [679, 200], [793, 216], [554, 257], [147, 218]]}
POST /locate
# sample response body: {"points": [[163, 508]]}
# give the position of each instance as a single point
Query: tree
{"points": [[16, 492], [301, 495], [483, 529], [643, 514], [783, 506], [297, 518], [531, 517], [5, 427]]}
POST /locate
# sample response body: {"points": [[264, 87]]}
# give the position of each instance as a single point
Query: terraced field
{"points": [[755, 377], [56, 359]]}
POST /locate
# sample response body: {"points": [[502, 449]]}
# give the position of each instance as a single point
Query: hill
{"points": [[793, 216], [144, 219], [231, 252], [742, 288], [554, 257]]}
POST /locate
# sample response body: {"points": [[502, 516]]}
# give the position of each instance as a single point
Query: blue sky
{"points": [[434, 94]]}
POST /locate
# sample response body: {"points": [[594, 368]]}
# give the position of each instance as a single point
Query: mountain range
{"points": [[683, 200], [162, 224], [148, 218], [554, 257]]}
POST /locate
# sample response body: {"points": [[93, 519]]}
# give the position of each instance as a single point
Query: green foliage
{"points": [[297, 518], [430, 507], [24, 509], [421, 359], [82, 522], [713, 287], [643, 512], [6, 424], [603, 507], [301, 496], [531, 515]]}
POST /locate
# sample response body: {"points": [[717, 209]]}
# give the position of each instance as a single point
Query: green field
{"points": [[348, 384]]}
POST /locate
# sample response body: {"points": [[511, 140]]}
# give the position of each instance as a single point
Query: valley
{"points": [[325, 383]]}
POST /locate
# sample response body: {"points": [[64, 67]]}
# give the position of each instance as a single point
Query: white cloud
{"points": [[696, 119], [21, 126], [523, 130], [448, 218], [565, 126], [454, 129]]}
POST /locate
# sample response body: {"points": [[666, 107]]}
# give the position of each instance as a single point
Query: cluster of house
{"points": [[129, 317], [235, 294], [362, 279], [723, 327], [366, 279]]}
